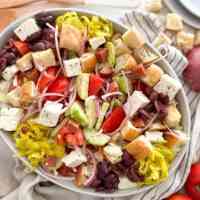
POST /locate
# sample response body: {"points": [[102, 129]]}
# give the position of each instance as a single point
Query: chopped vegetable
{"points": [[22, 47], [32, 142], [95, 85], [114, 120], [111, 53]]}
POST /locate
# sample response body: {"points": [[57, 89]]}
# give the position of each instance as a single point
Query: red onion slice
{"points": [[94, 168], [105, 96]]}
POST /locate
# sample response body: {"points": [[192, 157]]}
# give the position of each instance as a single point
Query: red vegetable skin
{"points": [[60, 86], [22, 47], [64, 171], [114, 120], [179, 197], [46, 78], [102, 54], [193, 182], [71, 134], [95, 84], [192, 72], [113, 87], [140, 70]]}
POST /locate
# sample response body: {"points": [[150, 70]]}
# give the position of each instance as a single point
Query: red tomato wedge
{"points": [[102, 54], [59, 86], [22, 47], [95, 84], [70, 134], [193, 182], [179, 197], [46, 78], [114, 120], [64, 171]]}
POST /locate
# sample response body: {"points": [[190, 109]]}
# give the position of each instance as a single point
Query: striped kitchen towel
{"points": [[32, 188]]}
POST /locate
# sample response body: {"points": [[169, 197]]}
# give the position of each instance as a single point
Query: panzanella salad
{"points": [[85, 102]]}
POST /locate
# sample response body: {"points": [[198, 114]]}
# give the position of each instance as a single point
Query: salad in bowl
{"points": [[87, 103]]}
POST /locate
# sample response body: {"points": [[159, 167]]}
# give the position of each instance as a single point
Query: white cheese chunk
{"points": [[9, 118], [113, 153], [74, 158], [72, 67], [168, 86], [154, 136], [50, 114], [154, 5], [44, 59], [9, 72], [174, 22], [136, 101], [26, 29], [97, 42], [184, 40], [4, 86]]}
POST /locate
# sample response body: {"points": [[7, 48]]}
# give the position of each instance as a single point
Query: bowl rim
{"points": [[170, 70]]}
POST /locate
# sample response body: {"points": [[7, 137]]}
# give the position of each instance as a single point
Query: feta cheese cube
{"points": [[97, 42], [74, 158], [136, 101], [152, 75], [184, 40], [113, 153], [125, 183], [154, 136], [4, 86], [173, 117], [44, 59], [139, 148], [13, 97], [9, 72], [197, 38], [72, 67], [133, 39], [168, 86], [126, 61], [174, 22], [50, 114], [26, 29], [25, 63], [154, 5], [129, 132], [9, 118]]}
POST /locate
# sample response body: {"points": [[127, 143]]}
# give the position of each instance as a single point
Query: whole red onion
{"points": [[192, 73]]}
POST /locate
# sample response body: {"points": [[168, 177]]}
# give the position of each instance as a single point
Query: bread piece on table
{"points": [[174, 22]]}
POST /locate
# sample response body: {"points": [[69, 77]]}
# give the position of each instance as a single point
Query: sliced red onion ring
{"points": [[94, 168], [105, 96], [50, 26], [58, 50], [150, 122]]}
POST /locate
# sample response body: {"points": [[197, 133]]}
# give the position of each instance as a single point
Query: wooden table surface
{"points": [[8, 15]]}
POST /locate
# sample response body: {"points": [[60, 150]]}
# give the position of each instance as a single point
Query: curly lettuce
{"points": [[32, 141], [96, 26], [155, 168]]}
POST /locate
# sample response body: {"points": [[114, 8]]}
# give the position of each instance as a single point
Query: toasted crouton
{"points": [[139, 148]]}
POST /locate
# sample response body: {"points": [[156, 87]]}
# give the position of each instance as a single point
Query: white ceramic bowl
{"points": [[68, 184]]}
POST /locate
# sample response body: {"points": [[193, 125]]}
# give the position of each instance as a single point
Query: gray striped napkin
{"points": [[30, 189]]}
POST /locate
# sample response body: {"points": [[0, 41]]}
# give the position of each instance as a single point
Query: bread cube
{"points": [[173, 117], [152, 75], [133, 39], [9, 72], [25, 63], [121, 47], [44, 59], [197, 38], [13, 97], [184, 40], [129, 132], [154, 5], [88, 62], [161, 39], [174, 22], [126, 61], [139, 148]]}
